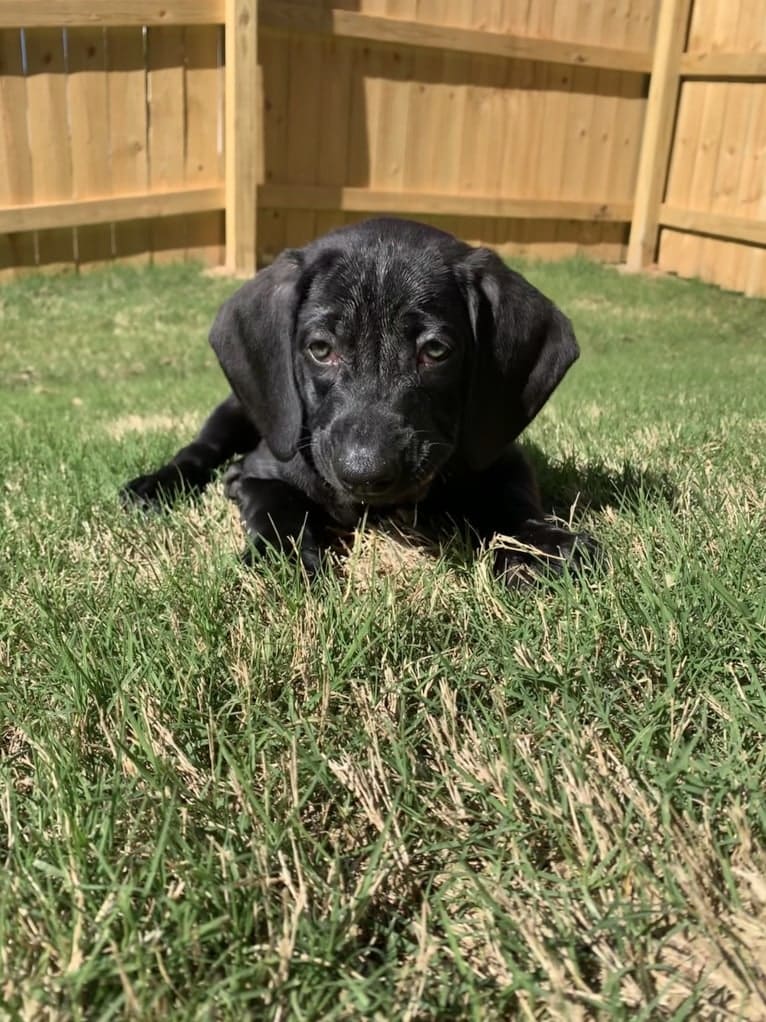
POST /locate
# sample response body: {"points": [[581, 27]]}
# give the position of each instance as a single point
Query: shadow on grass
{"points": [[595, 486], [589, 486]]}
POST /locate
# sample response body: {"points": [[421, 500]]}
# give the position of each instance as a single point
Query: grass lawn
{"points": [[402, 793]]}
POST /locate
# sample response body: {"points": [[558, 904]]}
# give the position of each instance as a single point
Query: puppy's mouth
{"points": [[406, 491]]}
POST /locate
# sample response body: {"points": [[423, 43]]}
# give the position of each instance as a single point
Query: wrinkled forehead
{"points": [[381, 291]]}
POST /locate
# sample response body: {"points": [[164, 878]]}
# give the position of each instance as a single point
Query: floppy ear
{"points": [[524, 346], [253, 338]]}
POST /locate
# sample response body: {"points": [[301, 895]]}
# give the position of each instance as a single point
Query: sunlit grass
{"points": [[402, 792]]}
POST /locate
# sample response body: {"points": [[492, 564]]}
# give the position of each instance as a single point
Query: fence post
{"points": [[657, 137], [243, 126]]}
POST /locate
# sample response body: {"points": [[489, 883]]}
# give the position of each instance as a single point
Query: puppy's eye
{"points": [[433, 351], [322, 352]]}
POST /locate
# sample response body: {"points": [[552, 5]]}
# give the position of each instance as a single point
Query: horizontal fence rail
{"points": [[112, 13], [74, 212], [353, 25], [559, 133], [365, 200], [717, 225]]}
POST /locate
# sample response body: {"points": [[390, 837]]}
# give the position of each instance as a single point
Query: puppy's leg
{"points": [[226, 432], [274, 513], [506, 501]]}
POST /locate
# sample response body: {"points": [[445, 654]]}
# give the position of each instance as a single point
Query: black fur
{"points": [[384, 364]]}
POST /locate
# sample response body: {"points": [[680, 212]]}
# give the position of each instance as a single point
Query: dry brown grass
{"points": [[710, 946]]}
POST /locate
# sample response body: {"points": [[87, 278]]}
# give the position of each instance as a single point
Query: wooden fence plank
{"points": [[715, 260], [729, 168], [87, 97], [388, 130], [167, 136], [128, 134], [658, 131], [275, 68], [304, 119], [509, 235], [526, 136], [358, 156], [556, 84], [244, 125], [16, 250], [204, 157], [429, 156], [630, 119], [482, 137], [609, 169], [576, 117], [49, 142], [512, 236], [394, 148], [752, 279], [451, 117], [720, 28], [335, 101], [749, 32], [685, 145]]}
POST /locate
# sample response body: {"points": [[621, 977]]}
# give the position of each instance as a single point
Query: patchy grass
{"points": [[402, 793]]}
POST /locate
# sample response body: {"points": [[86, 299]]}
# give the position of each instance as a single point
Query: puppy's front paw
{"points": [[154, 490], [187, 475], [309, 552], [232, 481], [541, 550]]}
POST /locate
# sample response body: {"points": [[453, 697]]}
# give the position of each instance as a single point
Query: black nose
{"points": [[366, 472]]}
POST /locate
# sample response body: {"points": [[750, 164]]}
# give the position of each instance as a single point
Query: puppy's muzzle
{"points": [[371, 456], [368, 473]]}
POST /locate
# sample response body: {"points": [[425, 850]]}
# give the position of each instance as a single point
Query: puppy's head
{"points": [[386, 350]]}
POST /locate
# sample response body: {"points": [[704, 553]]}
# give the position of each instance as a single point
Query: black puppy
{"points": [[385, 364]]}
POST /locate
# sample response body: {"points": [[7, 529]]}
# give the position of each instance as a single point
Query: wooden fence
{"points": [[713, 210], [613, 127]]}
